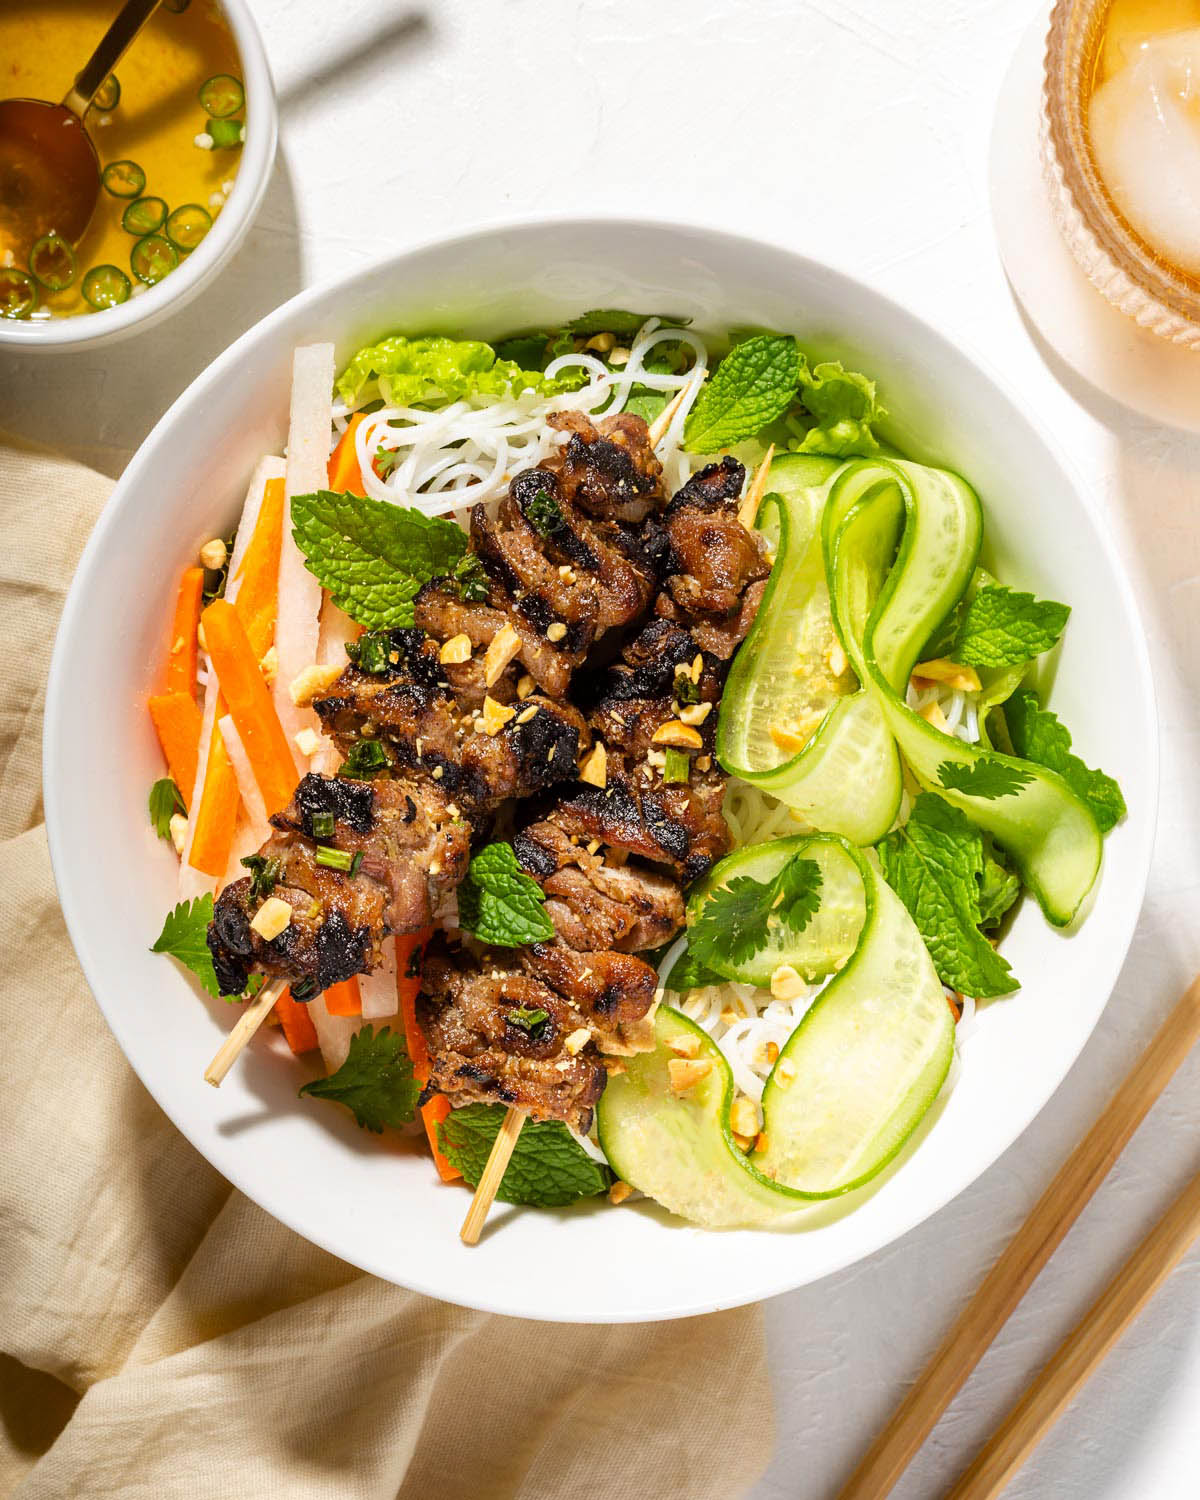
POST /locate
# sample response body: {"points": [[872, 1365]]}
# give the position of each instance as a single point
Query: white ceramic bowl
{"points": [[228, 231], [376, 1203]]}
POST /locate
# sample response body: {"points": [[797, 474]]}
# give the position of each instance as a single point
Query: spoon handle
{"points": [[129, 20]]}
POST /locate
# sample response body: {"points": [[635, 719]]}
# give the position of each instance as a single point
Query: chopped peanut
{"points": [[495, 716], [601, 342], [685, 1045], [697, 666], [685, 1073], [524, 686], [268, 665], [695, 713], [836, 657], [619, 1192], [619, 357], [271, 918], [743, 1117], [556, 631], [932, 714], [214, 554], [785, 1071], [786, 739], [201, 638], [704, 762], [965, 679], [760, 1143], [505, 645], [578, 1040], [786, 983], [308, 742], [312, 682], [456, 650], [683, 736], [179, 825], [527, 713], [595, 767]]}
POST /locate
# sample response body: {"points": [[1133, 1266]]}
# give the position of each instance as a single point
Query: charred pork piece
{"points": [[354, 861]]}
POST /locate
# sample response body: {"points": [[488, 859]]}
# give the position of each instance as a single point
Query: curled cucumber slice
{"points": [[848, 1089]]}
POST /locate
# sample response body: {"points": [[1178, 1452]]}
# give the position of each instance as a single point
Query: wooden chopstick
{"points": [[1070, 1367], [1028, 1251], [243, 1033]]}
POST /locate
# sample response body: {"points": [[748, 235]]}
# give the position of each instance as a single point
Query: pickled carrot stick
{"points": [[257, 597], [345, 475], [177, 723], [216, 817], [182, 653], [344, 999]]}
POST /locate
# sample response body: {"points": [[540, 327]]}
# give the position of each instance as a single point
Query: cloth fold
{"points": [[202, 1349]]}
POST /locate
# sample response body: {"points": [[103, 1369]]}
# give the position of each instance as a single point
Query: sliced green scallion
{"points": [[187, 226], [222, 95], [304, 989], [18, 293], [52, 262], [105, 286], [676, 765], [123, 179], [108, 95], [264, 875], [225, 134], [339, 859], [144, 216], [152, 258], [367, 758], [323, 825]]}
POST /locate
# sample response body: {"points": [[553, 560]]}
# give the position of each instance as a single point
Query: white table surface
{"points": [[856, 130]]}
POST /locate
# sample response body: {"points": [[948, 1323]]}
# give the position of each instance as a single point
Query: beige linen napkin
{"points": [[161, 1336]]}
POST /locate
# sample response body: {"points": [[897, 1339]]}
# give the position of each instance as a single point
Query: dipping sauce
{"points": [[1144, 124], [167, 129]]}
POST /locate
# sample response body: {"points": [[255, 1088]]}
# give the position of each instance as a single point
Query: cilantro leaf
{"points": [[185, 937], [1038, 736], [1003, 628], [844, 408], [688, 973], [988, 777], [373, 557], [525, 349], [935, 864], [548, 1167], [375, 1082], [739, 918], [411, 372], [613, 320], [498, 903], [165, 802], [753, 384]]}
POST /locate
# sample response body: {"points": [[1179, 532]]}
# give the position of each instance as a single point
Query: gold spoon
{"points": [[49, 170]]}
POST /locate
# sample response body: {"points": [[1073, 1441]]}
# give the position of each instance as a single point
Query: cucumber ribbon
{"points": [[848, 1089], [884, 549]]}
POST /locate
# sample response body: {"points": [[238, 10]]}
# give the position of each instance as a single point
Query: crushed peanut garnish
{"points": [[524, 686], [556, 631], [578, 1040], [527, 713], [594, 769], [682, 736], [438, 772], [786, 739], [178, 826], [214, 554], [953, 673], [456, 650], [308, 684], [269, 665], [201, 638], [504, 646], [494, 717], [695, 713], [308, 742], [271, 918], [602, 342], [593, 845], [704, 762], [685, 1073], [619, 1192], [785, 1071], [932, 714], [786, 983], [684, 1045], [743, 1117], [836, 657], [760, 1143]]}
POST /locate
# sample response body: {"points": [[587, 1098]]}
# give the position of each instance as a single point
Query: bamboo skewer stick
{"points": [[658, 428], [1029, 1250], [758, 488], [1078, 1356], [493, 1173], [240, 1037]]}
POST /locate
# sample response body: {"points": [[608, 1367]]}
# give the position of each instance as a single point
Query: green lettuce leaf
{"points": [[548, 1167], [755, 383], [1038, 736], [935, 864], [498, 903], [1004, 628], [422, 371], [843, 409], [373, 557], [375, 1082]]}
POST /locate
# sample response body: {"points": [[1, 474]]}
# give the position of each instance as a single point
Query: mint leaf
{"points": [[753, 384], [688, 973], [373, 557], [375, 1082], [434, 370], [1003, 628], [999, 887], [548, 1167], [185, 937], [988, 777], [498, 903], [612, 320], [740, 917], [843, 407], [1038, 736], [935, 864], [165, 802]]}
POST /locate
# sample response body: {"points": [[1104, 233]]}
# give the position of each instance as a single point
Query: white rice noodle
{"points": [[252, 799], [959, 708], [296, 627], [754, 817], [378, 988], [333, 1032], [193, 882]]}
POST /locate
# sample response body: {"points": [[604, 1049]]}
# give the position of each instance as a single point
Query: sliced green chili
{"points": [[187, 226], [18, 293], [222, 95], [52, 262], [123, 179], [152, 258], [105, 286], [144, 216], [108, 95], [226, 133]]}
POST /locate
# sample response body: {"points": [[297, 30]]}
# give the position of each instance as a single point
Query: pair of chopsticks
{"points": [[1010, 1278]]}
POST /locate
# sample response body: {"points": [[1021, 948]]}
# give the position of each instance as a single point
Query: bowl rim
{"points": [[228, 232], [57, 695]]}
